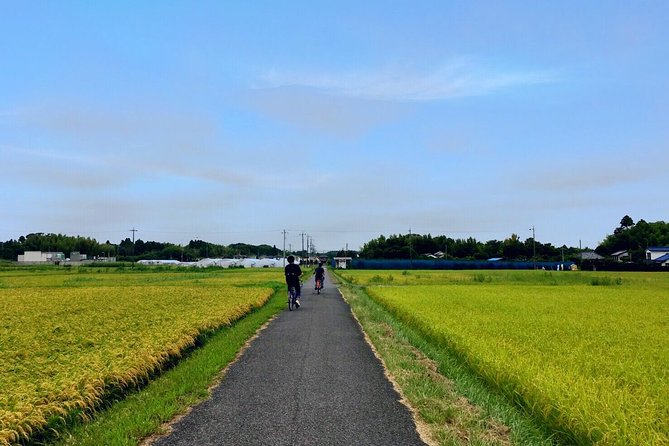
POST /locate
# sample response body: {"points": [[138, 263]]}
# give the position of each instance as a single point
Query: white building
{"points": [[655, 252], [342, 262], [40, 257]]}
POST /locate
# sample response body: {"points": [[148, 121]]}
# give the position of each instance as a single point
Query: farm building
{"points": [[341, 262], [224, 263], [76, 256], [40, 257], [620, 256]]}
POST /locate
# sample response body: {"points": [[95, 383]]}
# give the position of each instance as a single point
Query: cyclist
{"points": [[293, 273], [320, 275]]}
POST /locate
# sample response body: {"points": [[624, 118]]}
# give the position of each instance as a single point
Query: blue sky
{"points": [[231, 121]]}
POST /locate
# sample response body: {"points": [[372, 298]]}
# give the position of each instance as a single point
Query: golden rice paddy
{"points": [[69, 340]]}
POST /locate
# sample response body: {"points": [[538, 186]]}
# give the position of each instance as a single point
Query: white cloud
{"points": [[458, 78]]}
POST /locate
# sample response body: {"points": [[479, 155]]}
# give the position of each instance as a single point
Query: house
{"points": [[654, 253], [662, 260], [620, 256]]}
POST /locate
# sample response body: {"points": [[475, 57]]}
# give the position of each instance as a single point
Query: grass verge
{"points": [[143, 413], [454, 406]]}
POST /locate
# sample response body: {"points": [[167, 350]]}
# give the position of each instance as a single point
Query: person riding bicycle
{"points": [[320, 275], [293, 273]]}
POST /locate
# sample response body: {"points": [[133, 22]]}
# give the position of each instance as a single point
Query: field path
{"points": [[308, 378]]}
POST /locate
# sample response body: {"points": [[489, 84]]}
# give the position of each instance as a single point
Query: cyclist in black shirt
{"points": [[320, 275], [293, 273]]}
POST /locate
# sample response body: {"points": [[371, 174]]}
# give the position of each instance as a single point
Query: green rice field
{"points": [[585, 353]]}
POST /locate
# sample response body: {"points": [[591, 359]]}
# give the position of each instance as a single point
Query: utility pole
{"points": [[302, 252], [284, 247], [410, 254], [534, 249], [133, 230], [308, 248]]}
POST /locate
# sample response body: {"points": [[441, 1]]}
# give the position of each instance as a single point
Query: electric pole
{"points": [[284, 247], [133, 230], [308, 253], [302, 252], [410, 254], [534, 248]]}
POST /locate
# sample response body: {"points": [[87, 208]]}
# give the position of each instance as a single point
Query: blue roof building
{"points": [[655, 253]]}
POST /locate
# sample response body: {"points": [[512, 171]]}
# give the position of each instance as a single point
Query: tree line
{"points": [[126, 250], [630, 236], [634, 238], [417, 246]]}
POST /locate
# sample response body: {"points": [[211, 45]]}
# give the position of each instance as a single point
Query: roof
{"points": [[658, 248], [662, 259], [590, 255], [619, 253]]}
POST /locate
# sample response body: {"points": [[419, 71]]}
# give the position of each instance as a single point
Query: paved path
{"points": [[308, 379]]}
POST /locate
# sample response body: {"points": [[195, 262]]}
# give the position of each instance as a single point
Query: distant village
{"points": [[632, 246], [657, 255]]}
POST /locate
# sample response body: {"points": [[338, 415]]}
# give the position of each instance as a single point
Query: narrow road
{"points": [[308, 379]]}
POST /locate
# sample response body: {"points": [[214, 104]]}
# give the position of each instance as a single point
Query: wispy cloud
{"points": [[458, 78], [343, 116], [596, 174], [45, 154]]}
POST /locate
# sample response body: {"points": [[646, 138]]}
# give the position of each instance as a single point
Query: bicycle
{"points": [[292, 299], [319, 285]]}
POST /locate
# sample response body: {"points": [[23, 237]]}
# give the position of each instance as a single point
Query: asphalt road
{"points": [[309, 378]]}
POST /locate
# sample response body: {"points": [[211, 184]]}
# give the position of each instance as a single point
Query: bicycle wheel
{"points": [[292, 297]]}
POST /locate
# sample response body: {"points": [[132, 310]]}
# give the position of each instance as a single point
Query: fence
{"points": [[453, 264]]}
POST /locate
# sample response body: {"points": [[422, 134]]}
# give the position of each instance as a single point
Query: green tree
{"points": [[635, 238]]}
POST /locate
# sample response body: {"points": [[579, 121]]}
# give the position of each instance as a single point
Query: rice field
{"points": [[71, 340], [586, 353]]}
